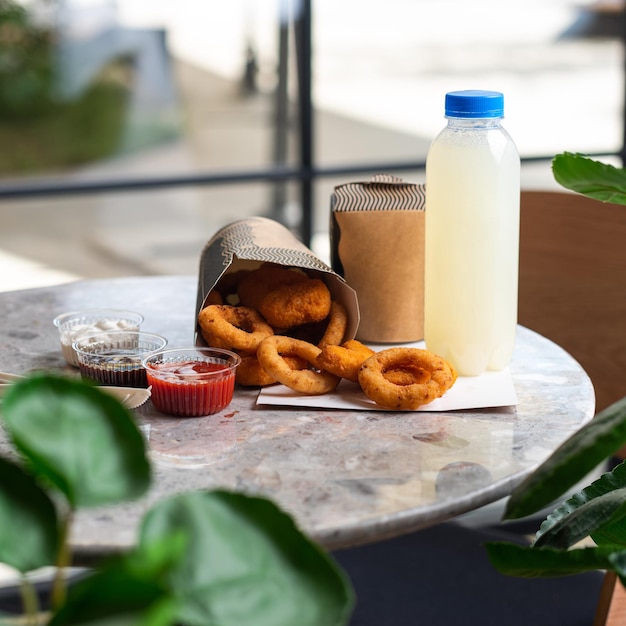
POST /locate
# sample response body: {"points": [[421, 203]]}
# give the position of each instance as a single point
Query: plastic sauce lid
{"points": [[473, 103]]}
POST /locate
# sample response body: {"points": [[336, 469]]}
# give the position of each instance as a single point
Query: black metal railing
{"points": [[305, 173]]}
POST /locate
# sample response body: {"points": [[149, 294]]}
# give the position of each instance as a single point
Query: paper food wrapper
{"points": [[489, 390], [247, 244], [377, 246]]}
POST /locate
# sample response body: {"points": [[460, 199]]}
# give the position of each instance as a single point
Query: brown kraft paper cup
{"points": [[377, 245]]}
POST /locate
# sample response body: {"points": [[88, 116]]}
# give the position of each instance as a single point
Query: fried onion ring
{"points": [[250, 372], [294, 304], [271, 353], [432, 376], [233, 327], [344, 360], [336, 327]]}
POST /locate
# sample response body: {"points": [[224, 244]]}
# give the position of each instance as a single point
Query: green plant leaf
{"points": [[600, 503], [590, 177], [80, 439], [129, 603], [530, 562], [571, 462], [26, 511], [618, 561], [248, 564], [131, 590], [613, 533], [113, 597]]}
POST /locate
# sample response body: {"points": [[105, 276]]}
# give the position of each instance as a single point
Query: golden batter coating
{"points": [[344, 360], [295, 304]]}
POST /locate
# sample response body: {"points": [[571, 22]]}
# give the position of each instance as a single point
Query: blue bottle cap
{"points": [[473, 103]]}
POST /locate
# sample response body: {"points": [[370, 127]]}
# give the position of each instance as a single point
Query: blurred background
{"points": [[132, 130]]}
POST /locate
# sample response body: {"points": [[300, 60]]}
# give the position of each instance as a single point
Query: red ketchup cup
{"points": [[191, 382]]}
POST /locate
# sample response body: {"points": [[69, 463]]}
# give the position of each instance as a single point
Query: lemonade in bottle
{"points": [[472, 236]]}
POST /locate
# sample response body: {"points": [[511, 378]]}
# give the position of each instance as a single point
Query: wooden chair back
{"points": [[573, 282], [612, 604]]}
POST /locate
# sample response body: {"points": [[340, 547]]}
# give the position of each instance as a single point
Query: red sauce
{"points": [[191, 388]]}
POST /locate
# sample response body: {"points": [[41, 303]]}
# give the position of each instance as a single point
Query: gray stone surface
{"points": [[348, 477]]}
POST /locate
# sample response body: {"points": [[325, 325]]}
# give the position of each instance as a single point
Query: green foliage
{"points": [[43, 132], [129, 589], [26, 63], [597, 512], [67, 134], [590, 177], [599, 504], [202, 558], [84, 444], [26, 510], [268, 572], [520, 561]]}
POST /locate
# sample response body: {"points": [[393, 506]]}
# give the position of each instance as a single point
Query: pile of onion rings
{"points": [[288, 330], [248, 306]]}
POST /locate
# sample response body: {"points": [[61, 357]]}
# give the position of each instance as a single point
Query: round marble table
{"points": [[347, 477]]}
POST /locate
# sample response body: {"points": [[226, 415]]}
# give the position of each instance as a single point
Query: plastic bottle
{"points": [[472, 236]]}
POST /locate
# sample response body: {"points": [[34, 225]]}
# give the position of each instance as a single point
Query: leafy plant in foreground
{"points": [[211, 558], [599, 510]]}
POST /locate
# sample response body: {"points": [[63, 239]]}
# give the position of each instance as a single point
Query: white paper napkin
{"points": [[491, 389]]}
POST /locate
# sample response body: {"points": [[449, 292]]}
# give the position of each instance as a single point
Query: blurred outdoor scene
{"points": [[102, 90]]}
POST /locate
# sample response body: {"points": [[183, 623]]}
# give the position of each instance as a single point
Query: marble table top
{"points": [[347, 477]]}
